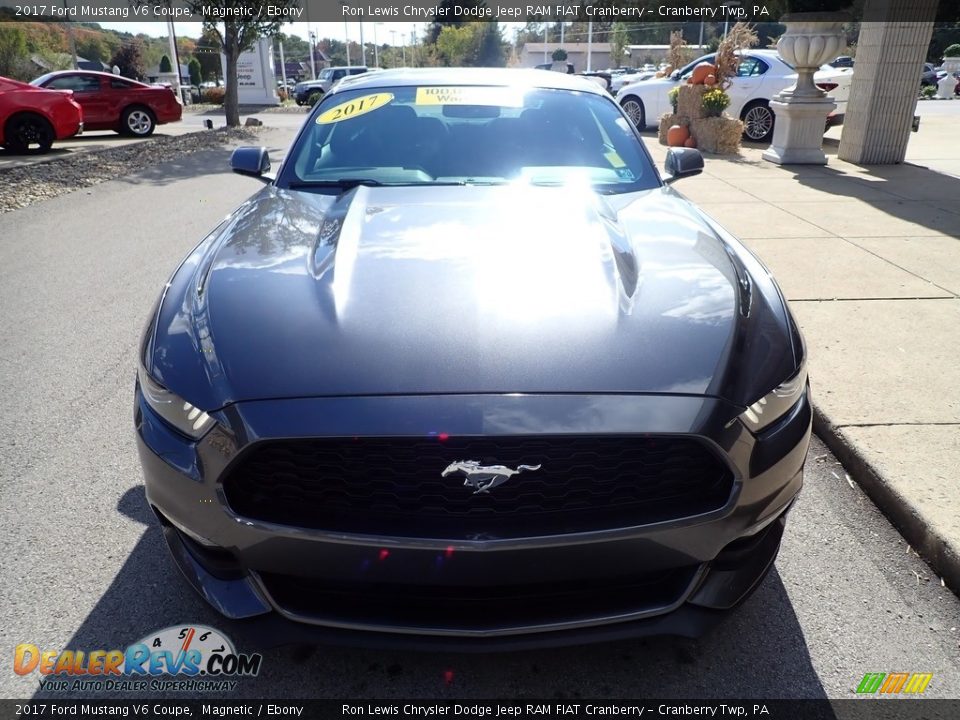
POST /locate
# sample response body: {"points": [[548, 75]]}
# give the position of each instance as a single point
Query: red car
{"points": [[33, 118], [111, 102]]}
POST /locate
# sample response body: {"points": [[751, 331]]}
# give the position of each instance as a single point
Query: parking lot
{"points": [[85, 566], [104, 139]]}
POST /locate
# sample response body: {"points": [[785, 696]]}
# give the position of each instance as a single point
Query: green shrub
{"points": [[952, 51], [559, 55], [672, 96], [214, 95], [714, 102], [314, 98], [928, 91]]}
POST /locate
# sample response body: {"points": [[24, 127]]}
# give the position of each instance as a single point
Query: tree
{"points": [[492, 51], [13, 49], [91, 47], [436, 26], [559, 55], [208, 53], [236, 37], [165, 65], [457, 46], [194, 68], [129, 58], [618, 43]]}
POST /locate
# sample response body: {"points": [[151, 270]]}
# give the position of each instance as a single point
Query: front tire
{"points": [[633, 107], [138, 122], [28, 132], [758, 121]]}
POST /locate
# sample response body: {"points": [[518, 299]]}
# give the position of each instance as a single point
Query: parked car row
{"points": [[761, 75], [62, 104]]}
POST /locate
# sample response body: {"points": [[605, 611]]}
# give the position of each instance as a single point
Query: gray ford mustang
{"points": [[468, 372]]}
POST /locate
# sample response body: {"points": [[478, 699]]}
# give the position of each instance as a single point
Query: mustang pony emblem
{"points": [[483, 478]]}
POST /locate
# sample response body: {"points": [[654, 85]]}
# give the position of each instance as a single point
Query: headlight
{"points": [[775, 404], [191, 421]]}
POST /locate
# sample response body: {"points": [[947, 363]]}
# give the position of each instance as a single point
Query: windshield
{"points": [[326, 74], [468, 135]]}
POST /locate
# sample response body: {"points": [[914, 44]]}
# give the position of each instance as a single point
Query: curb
{"points": [[917, 530]]}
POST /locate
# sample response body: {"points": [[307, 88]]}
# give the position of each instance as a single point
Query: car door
{"points": [[748, 84], [121, 94], [87, 91]]}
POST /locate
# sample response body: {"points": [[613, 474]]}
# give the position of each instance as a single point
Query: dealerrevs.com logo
{"points": [[186, 657], [894, 683]]}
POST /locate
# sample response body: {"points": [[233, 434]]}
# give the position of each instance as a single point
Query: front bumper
{"points": [[290, 584]]}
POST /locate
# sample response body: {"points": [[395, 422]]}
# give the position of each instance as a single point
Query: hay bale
{"points": [[666, 122], [689, 101], [719, 135]]}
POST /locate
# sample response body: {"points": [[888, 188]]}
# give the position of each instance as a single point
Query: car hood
{"points": [[503, 289]]}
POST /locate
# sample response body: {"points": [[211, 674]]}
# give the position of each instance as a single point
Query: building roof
{"points": [[597, 47]]}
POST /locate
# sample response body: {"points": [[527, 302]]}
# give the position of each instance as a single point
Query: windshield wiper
{"points": [[342, 183]]}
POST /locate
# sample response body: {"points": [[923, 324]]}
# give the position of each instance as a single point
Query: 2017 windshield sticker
{"points": [[354, 108], [497, 96]]}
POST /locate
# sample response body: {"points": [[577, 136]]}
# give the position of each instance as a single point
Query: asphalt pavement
{"points": [[103, 139], [84, 565]]}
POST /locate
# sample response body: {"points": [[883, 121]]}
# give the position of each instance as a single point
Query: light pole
{"points": [[313, 52], [376, 46], [363, 47], [726, 15], [346, 32], [393, 43]]}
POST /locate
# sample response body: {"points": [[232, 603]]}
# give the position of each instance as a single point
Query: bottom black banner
{"points": [[859, 709]]}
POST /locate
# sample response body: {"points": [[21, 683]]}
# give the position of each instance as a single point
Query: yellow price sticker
{"points": [[614, 159], [354, 108]]}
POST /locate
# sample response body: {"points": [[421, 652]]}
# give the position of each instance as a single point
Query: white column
{"points": [[883, 98]]}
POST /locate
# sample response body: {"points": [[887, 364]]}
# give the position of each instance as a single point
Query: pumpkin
{"points": [[710, 80], [677, 135], [691, 142], [701, 71]]}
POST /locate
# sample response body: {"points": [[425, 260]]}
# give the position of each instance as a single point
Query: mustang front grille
{"points": [[394, 486]]}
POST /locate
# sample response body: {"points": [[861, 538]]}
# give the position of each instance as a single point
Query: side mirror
{"points": [[675, 75], [682, 162], [253, 161]]}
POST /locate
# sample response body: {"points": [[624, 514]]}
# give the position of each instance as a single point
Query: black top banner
{"points": [[647, 11], [567, 709]]}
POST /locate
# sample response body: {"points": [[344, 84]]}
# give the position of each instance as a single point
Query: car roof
{"points": [[112, 76], [507, 77]]}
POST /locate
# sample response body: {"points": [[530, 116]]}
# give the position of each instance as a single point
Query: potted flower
{"points": [[951, 58]]}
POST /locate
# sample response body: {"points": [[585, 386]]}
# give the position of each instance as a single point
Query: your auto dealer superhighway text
{"points": [[558, 709], [569, 12]]}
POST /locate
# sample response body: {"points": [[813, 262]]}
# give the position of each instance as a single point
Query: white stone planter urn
{"points": [[947, 87], [811, 39], [951, 64]]}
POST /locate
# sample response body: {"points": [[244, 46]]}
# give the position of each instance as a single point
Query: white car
{"points": [[618, 81], [762, 74]]}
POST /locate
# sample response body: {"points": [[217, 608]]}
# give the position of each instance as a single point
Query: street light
{"points": [[313, 52], [730, 4], [393, 43], [376, 46], [346, 32]]}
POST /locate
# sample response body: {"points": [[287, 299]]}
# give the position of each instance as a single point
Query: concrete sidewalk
{"points": [[869, 258]]}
